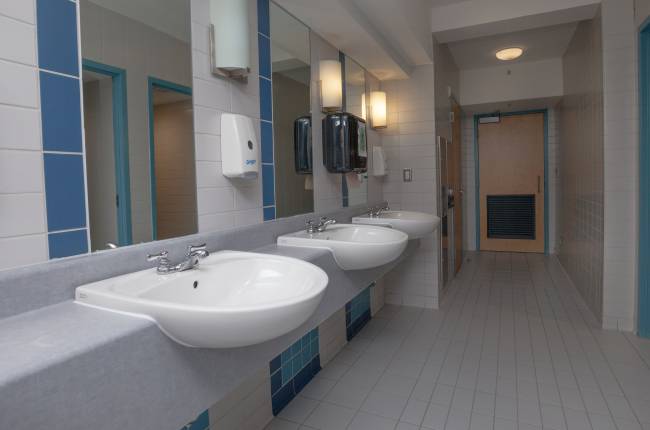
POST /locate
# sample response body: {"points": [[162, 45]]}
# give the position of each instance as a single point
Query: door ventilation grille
{"points": [[511, 217]]}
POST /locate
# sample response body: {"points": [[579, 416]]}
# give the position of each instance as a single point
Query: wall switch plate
{"points": [[407, 175]]}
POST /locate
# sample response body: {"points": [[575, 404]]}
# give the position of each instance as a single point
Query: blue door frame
{"points": [[477, 175], [152, 84], [643, 302], [120, 146]]}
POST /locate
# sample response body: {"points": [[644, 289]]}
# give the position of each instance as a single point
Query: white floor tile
{"points": [[330, 417], [365, 421], [298, 409], [384, 404]]}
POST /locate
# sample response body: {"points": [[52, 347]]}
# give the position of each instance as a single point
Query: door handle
{"points": [[539, 184]]}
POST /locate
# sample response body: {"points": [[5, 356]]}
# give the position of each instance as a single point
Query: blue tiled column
{"points": [[344, 180], [266, 108], [60, 87]]}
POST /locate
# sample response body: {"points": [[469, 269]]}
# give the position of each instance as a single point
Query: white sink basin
{"points": [[231, 299], [354, 246], [415, 224]]}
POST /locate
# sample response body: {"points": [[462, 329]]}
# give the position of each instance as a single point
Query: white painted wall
{"points": [[518, 81], [23, 238]]}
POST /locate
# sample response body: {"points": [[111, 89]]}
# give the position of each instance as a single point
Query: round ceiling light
{"points": [[508, 54]]}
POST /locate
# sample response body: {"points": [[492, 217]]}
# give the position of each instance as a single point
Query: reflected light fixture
{"points": [[331, 85], [378, 109], [508, 54], [364, 114], [229, 39]]}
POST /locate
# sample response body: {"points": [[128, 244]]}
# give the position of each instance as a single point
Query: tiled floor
{"points": [[513, 347]]}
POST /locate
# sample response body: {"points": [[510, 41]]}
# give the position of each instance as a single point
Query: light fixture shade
{"points": [[364, 113], [508, 54], [230, 50], [331, 85], [378, 109]]}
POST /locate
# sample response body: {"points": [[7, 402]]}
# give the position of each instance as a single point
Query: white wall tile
{"points": [[23, 10], [17, 41], [21, 128], [21, 214], [23, 250], [21, 171], [19, 85]]}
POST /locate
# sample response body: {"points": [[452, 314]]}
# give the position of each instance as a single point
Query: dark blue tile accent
{"points": [[64, 191], [267, 141], [282, 398], [295, 348], [57, 36], [276, 381], [60, 112], [68, 243], [315, 364], [202, 422], [266, 100], [344, 98], [263, 20], [275, 363], [269, 213], [268, 191], [264, 46], [344, 191], [302, 378]]}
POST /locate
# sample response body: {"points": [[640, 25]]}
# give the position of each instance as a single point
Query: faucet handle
{"points": [[197, 250], [161, 256]]}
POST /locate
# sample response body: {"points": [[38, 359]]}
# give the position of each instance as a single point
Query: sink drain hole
{"points": [[196, 284]]}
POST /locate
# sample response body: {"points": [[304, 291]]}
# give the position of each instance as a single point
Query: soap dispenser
{"points": [[239, 147]]}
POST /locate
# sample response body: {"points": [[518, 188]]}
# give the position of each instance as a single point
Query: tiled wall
{"points": [[23, 231], [409, 142], [581, 165], [357, 313], [222, 203], [620, 119], [292, 370]]}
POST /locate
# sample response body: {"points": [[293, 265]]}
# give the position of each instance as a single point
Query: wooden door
{"points": [[455, 178], [511, 164]]}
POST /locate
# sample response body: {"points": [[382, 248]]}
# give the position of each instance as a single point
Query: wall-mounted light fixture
{"points": [[378, 109], [331, 85], [229, 39], [364, 110]]}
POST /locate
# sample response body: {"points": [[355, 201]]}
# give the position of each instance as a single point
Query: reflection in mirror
{"points": [[291, 74], [355, 103], [139, 136]]}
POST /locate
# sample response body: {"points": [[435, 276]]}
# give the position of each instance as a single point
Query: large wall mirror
{"points": [[356, 185], [137, 94], [291, 74]]}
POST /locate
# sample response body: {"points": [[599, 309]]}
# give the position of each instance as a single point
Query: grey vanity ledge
{"points": [[75, 367], [32, 287]]}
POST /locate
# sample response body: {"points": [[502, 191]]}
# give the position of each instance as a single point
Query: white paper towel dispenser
{"points": [[239, 147], [379, 164]]}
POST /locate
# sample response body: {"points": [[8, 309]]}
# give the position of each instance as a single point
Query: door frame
{"points": [[152, 83], [120, 146], [643, 252], [477, 176]]}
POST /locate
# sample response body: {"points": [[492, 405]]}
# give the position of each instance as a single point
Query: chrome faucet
{"points": [[312, 227], [194, 254], [376, 211]]}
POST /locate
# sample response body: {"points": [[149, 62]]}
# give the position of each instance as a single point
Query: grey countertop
{"points": [[75, 367]]}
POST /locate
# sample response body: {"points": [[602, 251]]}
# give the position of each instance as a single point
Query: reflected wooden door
{"points": [[455, 177], [511, 164]]}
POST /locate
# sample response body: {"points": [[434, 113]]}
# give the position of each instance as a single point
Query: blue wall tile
{"points": [[268, 191], [202, 422], [263, 20], [267, 141], [60, 113], [266, 100], [269, 213], [64, 191], [68, 243], [57, 36], [264, 46]]}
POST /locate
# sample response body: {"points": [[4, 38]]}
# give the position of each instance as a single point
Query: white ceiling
{"points": [[171, 17], [538, 43]]}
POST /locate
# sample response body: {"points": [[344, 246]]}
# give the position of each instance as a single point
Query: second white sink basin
{"points": [[415, 224], [354, 247], [231, 299]]}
